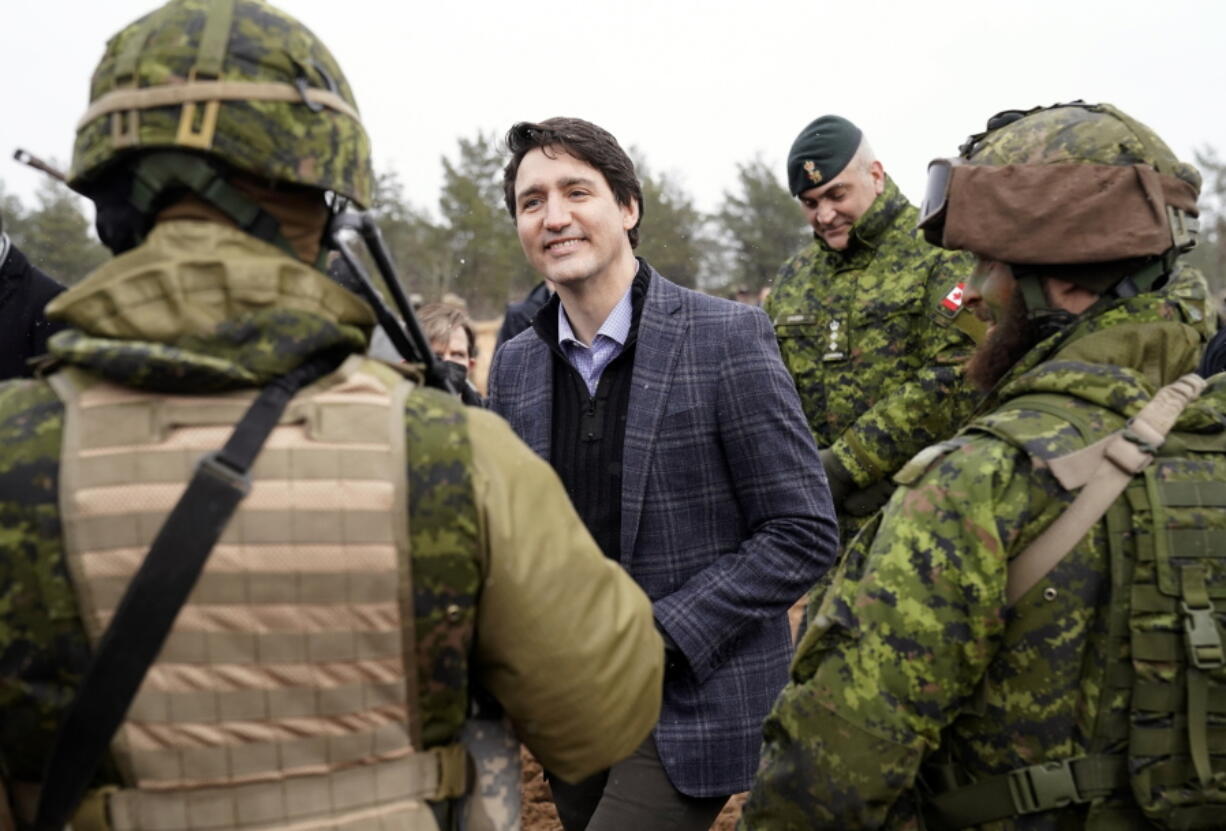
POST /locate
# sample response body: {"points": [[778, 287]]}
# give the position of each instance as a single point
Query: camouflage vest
{"points": [[1158, 742], [311, 668]]}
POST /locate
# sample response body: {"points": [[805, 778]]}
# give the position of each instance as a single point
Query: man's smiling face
{"points": [[570, 225], [833, 208]]}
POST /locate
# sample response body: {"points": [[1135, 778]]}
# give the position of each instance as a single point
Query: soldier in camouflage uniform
{"points": [[394, 544], [869, 320], [921, 697]]}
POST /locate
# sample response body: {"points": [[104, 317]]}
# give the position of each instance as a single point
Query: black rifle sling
{"points": [[152, 600]]}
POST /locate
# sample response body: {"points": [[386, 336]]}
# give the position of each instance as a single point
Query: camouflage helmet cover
{"points": [[1075, 133], [235, 79], [1072, 183]]}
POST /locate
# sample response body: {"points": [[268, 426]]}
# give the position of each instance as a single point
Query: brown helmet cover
{"points": [[1063, 213]]}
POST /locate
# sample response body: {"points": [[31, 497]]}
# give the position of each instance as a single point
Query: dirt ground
{"points": [[538, 813]]}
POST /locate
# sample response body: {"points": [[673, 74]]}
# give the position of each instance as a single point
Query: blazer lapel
{"points": [[662, 329]]}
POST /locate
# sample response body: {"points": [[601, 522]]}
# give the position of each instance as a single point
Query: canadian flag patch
{"points": [[953, 300]]}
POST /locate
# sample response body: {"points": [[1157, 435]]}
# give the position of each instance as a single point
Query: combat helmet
{"points": [[199, 90], [1079, 191]]}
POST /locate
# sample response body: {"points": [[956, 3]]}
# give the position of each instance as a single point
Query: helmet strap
{"points": [[157, 174], [1029, 282], [1147, 278], [1049, 319], [1039, 310]]}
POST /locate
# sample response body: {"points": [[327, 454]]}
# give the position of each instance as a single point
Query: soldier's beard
{"points": [[1009, 339]]}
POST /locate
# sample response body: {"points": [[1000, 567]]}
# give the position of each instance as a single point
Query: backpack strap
{"points": [[1205, 654], [445, 546], [153, 599], [1102, 471], [1028, 790]]}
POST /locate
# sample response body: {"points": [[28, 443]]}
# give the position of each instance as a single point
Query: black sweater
{"points": [[589, 431]]}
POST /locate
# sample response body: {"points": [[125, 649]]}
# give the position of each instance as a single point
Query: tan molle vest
{"points": [[281, 698]]}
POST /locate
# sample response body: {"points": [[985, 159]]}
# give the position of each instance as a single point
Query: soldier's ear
{"points": [[1067, 295], [878, 173]]}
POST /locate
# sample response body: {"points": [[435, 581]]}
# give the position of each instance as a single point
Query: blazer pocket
{"points": [[681, 448], [682, 428]]}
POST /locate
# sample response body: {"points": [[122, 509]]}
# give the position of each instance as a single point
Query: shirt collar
{"points": [[616, 326]]}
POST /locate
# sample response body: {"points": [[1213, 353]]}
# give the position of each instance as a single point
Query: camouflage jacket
{"points": [[874, 340], [200, 308], [913, 648]]}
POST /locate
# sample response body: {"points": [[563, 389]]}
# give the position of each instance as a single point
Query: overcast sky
{"points": [[696, 86]]}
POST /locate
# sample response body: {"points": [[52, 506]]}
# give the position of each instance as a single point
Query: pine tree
{"points": [[56, 235], [673, 235], [487, 265], [1210, 252], [761, 226]]}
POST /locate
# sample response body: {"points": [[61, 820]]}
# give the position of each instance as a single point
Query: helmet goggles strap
{"points": [[157, 174]]}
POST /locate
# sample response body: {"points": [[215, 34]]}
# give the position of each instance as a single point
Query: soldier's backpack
{"points": [[1165, 513]]}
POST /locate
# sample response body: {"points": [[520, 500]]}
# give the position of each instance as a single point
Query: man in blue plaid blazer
{"points": [[678, 433]]}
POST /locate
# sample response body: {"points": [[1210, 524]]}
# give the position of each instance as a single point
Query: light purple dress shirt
{"points": [[610, 339]]}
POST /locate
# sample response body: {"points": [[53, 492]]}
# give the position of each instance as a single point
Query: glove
{"points": [[837, 478], [867, 501]]}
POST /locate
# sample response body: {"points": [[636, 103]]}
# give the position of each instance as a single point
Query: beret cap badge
{"points": [[821, 152]]}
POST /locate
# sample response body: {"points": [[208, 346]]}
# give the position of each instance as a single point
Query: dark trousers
{"points": [[633, 794]]}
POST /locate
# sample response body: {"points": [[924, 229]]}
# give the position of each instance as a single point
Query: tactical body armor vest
{"points": [[1156, 754], [290, 691]]}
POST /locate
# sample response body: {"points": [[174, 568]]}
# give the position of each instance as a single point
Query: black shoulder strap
{"points": [[152, 600]]}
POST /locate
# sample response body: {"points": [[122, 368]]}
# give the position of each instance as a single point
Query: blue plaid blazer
{"points": [[726, 518]]}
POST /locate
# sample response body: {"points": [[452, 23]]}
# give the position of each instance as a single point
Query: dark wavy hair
{"points": [[584, 141]]}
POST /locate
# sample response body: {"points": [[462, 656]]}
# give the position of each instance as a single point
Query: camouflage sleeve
{"points": [[932, 404], [565, 638], [899, 643], [43, 646], [1189, 286]]}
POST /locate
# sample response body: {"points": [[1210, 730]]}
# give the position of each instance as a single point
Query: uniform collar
{"points": [[868, 229], [1165, 347], [202, 306]]}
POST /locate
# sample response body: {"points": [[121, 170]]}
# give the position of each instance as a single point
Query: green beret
{"points": [[821, 151]]}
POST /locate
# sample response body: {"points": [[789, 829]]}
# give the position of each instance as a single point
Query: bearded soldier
{"points": [[380, 549], [1031, 634], [869, 320]]}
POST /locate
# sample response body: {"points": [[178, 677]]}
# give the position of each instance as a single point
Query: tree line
{"points": [[1209, 255], [470, 247]]}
